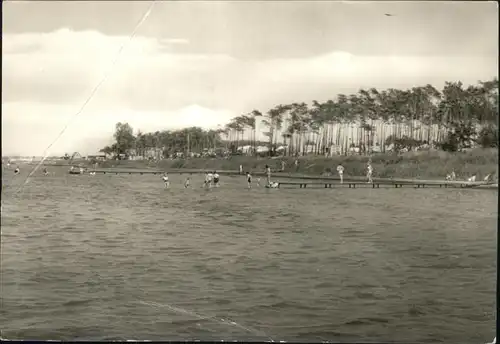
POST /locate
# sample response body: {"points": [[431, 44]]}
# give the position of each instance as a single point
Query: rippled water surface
{"points": [[118, 256]]}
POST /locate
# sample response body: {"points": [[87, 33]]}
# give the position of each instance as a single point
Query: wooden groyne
{"points": [[151, 171], [391, 184], [326, 182]]}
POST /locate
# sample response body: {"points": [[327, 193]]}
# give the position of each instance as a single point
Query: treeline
{"points": [[163, 143], [370, 120]]}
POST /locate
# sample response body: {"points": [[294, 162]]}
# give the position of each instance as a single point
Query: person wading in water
{"points": [[268, 174], [369, 172], [165, 180], [249, 180], [340, 171]]}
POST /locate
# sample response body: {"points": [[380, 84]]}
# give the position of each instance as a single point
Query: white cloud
{"points": [[40, 124], [47, 77]]}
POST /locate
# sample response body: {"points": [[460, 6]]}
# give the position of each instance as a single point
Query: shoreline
{"points": [[428, 165]]}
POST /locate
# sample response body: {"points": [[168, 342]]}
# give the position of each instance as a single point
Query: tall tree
{"points": [[124, 137]]}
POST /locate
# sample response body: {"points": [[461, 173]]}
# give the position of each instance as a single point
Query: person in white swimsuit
{"points": [[208, 180], [340, 171], [165, 180], [369, 172]]}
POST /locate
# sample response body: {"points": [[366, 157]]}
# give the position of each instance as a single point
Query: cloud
{"points": [[28, 128], [64, 66], [162, 83]]}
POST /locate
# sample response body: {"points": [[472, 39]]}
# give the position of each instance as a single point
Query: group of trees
{"points": [[452, 118], [162, 143]]}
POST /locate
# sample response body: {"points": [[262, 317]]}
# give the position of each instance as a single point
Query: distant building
{"points": [[98, 157]]}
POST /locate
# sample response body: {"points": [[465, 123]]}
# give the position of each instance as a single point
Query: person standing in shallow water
{"points": [[165, 180], [369, 172], [249, 180], [340, 171], [268, 174], [216, 179]]}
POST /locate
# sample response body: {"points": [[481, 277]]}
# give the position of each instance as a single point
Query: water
{"points": [[119, 257]]}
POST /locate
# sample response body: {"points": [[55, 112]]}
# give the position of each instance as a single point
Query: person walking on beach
{"points": [[249, 180], [241, 169], [165, 180], [340, 171], [369, 172], [283, 165], [187, 182]]}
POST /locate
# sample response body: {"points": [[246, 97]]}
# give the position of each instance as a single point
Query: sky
{"points": [[202, 63]]}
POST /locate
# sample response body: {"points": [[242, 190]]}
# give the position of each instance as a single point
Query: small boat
{"points": [[76, 170]]}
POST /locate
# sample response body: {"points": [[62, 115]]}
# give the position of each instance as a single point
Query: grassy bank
{"points": [[427, 164]]}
